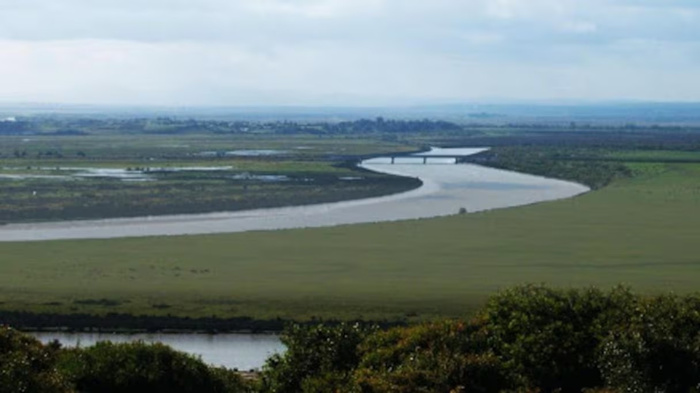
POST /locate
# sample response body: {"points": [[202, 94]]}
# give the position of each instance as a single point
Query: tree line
{"points": [[526, 339], [544, 131]]}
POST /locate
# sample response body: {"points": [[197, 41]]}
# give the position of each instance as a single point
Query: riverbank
{"points": [[136, 324]]}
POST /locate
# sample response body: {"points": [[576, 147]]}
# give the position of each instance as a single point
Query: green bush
{"points": [[526, 339], [26, 365], [548, 338], [658, 350], [318, 359], [139, 367], [438, 357]]}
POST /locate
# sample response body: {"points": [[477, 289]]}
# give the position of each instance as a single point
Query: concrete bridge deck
{"points": [[423, 157]]}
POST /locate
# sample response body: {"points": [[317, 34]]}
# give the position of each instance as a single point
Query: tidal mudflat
{"points": [[447, 189]]}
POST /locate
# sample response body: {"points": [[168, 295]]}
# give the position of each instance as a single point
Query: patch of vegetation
{"points": [[640, 230], [312, 156], [561, 163], [530, 338], [527, 338], [97, 302], [106, 320], [172, 193], [46, 177], [26, 365], [139, 367]]}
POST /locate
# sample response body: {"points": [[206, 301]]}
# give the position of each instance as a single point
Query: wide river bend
{"points": [[447, 188]]}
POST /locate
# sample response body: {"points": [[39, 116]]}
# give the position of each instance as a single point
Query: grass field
{"points": [[641, 231], [98, 148]]}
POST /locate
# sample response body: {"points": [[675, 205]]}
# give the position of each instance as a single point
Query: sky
{"points": [[347, 52]]}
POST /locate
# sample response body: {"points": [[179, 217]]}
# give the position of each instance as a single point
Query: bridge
{"points": [[424, 157]]}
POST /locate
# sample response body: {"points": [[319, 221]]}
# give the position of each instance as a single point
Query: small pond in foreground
{"points": [[241, 351]]}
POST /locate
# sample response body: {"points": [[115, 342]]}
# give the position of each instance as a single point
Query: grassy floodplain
{"points": [[641, 231], [49, 177]]}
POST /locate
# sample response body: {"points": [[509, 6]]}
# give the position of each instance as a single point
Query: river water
{"points": [[241, 351], [447, 189]]}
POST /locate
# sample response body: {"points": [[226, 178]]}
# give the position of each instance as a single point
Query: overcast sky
{"points": [[347, 52]]}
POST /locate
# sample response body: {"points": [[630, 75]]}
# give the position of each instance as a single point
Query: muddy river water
{"points": [[447, 188]]}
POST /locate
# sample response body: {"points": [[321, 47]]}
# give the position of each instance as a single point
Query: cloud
{"points": [[346, 51], [316, 8]]}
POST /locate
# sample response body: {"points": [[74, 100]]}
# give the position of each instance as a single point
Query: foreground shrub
{"points": [[658, 350], [26, 365], [318, 359], [140, 367], [439, 357], [548, 339], [527, 339]]}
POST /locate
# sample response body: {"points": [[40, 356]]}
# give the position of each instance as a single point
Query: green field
{"points": [[641, 231], [99, 147]]}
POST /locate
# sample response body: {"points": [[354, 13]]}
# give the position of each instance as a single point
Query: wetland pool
{"points": [[234, 351]]}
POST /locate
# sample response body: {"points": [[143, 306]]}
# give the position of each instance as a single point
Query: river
{"points": [[447, 189]]}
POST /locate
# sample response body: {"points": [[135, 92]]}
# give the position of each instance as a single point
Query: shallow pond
{"points": [[126, 174], [241, 351]]}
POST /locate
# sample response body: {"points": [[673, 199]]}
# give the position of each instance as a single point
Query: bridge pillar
{"points": [[393, 159], [425, 160]]}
